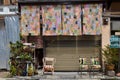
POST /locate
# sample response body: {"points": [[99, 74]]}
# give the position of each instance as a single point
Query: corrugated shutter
{"points": [[67, 53]]}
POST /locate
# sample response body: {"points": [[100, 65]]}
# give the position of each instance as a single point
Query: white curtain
{"points": [[3, 46], [8, 32], [12, 28]]}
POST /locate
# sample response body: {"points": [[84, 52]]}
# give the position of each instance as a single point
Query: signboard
{"points": [[115, 41]]}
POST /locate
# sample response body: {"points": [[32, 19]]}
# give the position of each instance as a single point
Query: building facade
{"points": [[65, 42]]}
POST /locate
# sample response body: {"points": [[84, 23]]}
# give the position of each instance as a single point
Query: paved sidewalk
{"points": [[59, 76], [62, 76]]}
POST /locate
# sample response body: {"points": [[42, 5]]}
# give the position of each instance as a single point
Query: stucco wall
{"points": [[106, 31], [106, 34]]}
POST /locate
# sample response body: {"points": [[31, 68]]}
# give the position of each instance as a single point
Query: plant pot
{"points": [[110, 67]]}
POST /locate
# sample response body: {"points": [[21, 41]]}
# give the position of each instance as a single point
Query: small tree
{"points": [[111, 55]]}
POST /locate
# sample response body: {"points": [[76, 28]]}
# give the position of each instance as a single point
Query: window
{"points": [[115, 25]]}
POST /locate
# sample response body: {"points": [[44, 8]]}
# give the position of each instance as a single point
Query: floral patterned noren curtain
{"points": [[51, 15], [66, 19], [92, 19], [71, 19], [30, 20]]}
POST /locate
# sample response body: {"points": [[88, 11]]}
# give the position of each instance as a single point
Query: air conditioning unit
{"points": [[6, 10]]}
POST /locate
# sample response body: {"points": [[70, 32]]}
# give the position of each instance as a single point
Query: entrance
{"points": [[39, 57], [37, 40]]}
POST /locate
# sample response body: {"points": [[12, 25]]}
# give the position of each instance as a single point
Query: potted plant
{"points": [[111, 57], [20, 54]]}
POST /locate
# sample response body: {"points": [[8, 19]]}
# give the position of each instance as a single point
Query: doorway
{"points": [[39, 57]]}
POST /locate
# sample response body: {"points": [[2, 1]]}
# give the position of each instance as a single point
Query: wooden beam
{"points": [[10, 2], [111, 14], [1, 17], [44, 2], [6, 2]]}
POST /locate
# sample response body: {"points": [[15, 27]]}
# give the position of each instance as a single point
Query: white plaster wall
{"points": [[106, 34]]}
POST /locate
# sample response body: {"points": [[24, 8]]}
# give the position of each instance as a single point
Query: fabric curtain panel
{"points": [[71, 19], [12, 28], [85, 19], [12, 33], [67, 23], [51, 15], [30, 20], [92, 19], [9, 31], [4, 52]]}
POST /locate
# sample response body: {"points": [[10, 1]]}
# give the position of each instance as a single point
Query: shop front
{"points": [[68, 31]]}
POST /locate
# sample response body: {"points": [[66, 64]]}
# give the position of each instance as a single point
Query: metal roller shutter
{"points": [[67, 53]]}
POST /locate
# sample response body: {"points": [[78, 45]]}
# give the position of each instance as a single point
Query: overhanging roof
{"points": [[115, 6], [112, 6], [58, 1]]}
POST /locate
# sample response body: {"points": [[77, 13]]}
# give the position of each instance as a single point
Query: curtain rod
{"points": [[4, 15], [8, 14]]}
